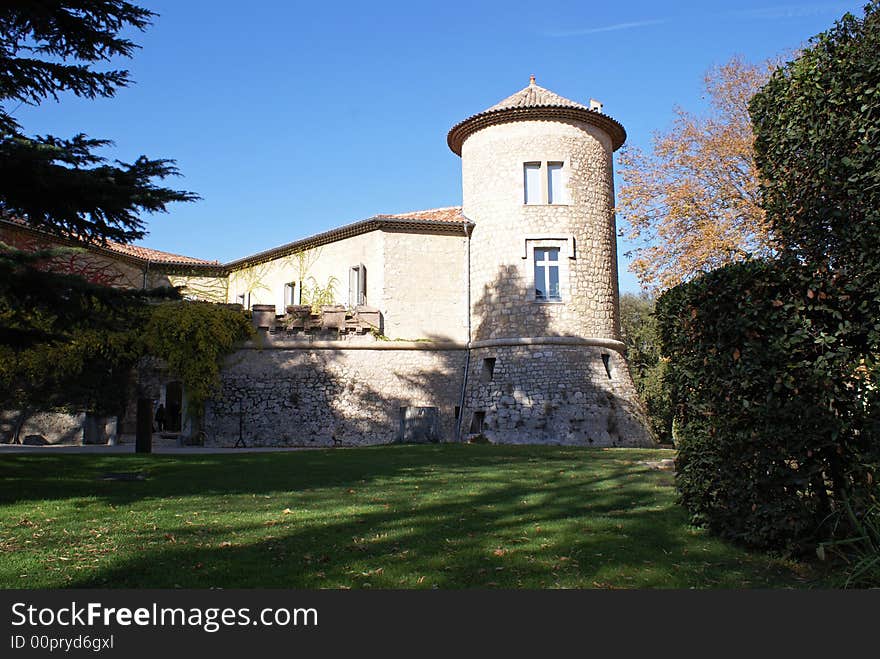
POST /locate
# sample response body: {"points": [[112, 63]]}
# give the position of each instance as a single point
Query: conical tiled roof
{"points": [[535, 96], [530, 103]]}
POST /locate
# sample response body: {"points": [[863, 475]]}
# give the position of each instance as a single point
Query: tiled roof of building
{"points": [[137, 252], [156, 256], [435, 220], [534, 103], [535, 96], [449, 214]]}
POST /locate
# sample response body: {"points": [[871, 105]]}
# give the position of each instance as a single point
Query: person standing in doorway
{"points": [[160, 418]]}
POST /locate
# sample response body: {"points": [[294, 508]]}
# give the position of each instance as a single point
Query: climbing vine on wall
{"points": [[192, 338]]}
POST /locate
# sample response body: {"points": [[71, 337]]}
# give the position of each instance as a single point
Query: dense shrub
{"points": [[774, 364], [778, 412]]}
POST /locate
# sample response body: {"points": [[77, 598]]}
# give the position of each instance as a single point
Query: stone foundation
{"points": [[553, 394], [44, 428], [291, 393]]}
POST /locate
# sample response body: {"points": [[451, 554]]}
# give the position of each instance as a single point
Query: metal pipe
{"points": [[467, 363]]}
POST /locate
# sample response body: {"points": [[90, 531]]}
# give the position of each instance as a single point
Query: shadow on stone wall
{"points": [[291, 394], [552, 392]]}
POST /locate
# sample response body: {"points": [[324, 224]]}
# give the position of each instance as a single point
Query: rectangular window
{"points": [[357, 286], [555, 187], [289, 290], [532, 182], [547, 273]]}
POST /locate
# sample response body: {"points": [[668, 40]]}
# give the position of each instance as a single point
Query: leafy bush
{"points": [[775, 364], [777, 405]]}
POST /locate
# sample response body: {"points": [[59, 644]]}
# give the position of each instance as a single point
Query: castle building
{"points": [[496, 320]]}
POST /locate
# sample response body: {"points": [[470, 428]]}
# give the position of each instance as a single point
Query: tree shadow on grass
{"points": [[478, 517]]}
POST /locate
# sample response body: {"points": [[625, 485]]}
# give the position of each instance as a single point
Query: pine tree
{"points": [[63, 340]]}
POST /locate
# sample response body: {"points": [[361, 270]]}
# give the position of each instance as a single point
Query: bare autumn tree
{"points": [[692, 203]]}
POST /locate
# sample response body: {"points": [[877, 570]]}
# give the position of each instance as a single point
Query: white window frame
{"points": [[547, 264], [544, 196], [561, 198], [357, 285], [537, 196], [565, 245], [290, 290]]}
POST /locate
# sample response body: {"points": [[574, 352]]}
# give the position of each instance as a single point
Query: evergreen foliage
{"points": [[63, 341], [775, 363]]}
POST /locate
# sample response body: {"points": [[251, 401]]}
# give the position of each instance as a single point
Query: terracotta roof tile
{"points": [[534, 96], [156, 256], [131, 251], [534, 103], [450, 214]]}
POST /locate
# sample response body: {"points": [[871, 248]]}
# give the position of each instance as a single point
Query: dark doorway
{"points": [[173, 406]]}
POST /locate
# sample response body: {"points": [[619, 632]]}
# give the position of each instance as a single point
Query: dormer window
{"points": [[544, 183]]}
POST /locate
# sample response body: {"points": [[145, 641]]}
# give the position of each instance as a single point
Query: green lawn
{"points": [[448, 516]]}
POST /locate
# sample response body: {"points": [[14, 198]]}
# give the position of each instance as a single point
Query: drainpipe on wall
{"points": [[467, 363]]}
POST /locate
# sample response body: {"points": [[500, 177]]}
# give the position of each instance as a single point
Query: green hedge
{"points": [[777, 407]]}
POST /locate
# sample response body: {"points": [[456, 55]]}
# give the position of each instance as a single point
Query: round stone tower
{"points": [[547, 364]]}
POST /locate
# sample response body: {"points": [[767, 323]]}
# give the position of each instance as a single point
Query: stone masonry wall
{"points": [[303, 396], [493, 198], [554, 394]]}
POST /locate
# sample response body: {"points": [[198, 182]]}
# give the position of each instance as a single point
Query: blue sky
{"points": [[290, 118]]}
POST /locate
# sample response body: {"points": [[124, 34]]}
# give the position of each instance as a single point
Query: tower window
{"points": [[547, 274], [555, 187], [532, 182], [488, 372], [606, 362]]}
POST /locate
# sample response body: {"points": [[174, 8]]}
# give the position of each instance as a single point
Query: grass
{"points": [[447, 516]]}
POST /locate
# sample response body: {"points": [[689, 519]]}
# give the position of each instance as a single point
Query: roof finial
{"points": [[532, 79]]}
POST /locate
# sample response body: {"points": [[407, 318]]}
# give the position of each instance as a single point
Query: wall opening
{"points": [[488, 371], [477, 423], [173, 406], [457, 411], [606, 362]]}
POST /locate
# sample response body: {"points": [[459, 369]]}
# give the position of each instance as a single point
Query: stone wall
{"points": [[554, 394], [507, 230], [44, 428], [297, 393]]}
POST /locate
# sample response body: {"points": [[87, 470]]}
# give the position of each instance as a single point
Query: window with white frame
{"points": [[555, 187], [532, 183], [357, 286], [290, 293], [544, 183], [547, 274]]}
